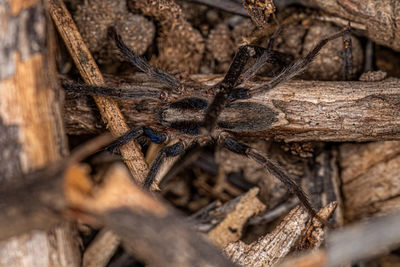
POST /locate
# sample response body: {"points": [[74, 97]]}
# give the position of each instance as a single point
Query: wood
{"points": [[147, 227], [306, 110], [361, 241], [274, 246], [235, 214], [91, 74], [370, 177], [31, 129], [379, 17]]}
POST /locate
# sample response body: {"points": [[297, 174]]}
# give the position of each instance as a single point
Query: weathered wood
{"points": [[147, 227], [381, 18], [230, 219], [274, 246], [31, 128], [304, 110], [371, 179], [91, 74]]}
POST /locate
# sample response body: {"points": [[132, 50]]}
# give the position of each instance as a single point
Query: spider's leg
{"points": [[134, 134], [140, 63], [298, 66], [190, 155], [166, 152], [268, 56], [275, 170], [230, 80], [135, 93]]}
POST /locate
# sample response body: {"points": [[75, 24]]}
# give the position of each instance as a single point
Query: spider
{"points": [[194, 121]]}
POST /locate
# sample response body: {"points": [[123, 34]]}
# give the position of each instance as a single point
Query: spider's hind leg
{"points": [[134, 134], [169, 151], [275, 170]]}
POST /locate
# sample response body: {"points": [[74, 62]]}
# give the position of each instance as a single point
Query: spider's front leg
{"points": [[275, 170], [298, 66]]}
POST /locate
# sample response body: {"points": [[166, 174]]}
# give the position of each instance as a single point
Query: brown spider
{"points": [[194, 121]]}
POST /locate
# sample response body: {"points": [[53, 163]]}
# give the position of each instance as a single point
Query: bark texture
{"points": [[380, 18], [371, 179], [32, 134], [295, 111]]}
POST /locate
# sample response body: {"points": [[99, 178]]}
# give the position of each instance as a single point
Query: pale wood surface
{"points": [[32, 133], [371, 179]]}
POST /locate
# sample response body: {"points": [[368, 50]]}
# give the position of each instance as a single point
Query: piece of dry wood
{"points": [[91, 74], [273, 247], [295, 111], [37, 200], [360, 241], [101, 249], [230, 218], [146, 226], [370, 177], [32, 133], [381, 18]]}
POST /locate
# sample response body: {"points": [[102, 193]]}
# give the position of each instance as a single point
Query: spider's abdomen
{"points": [[187, 116]]}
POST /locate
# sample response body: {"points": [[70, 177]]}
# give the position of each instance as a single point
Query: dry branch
{"points": [[273, 247], [304, 110], [361, 241], [91, 74], [147, 226], [381, 18], [370, 176], [227, 221], [32, 133]]}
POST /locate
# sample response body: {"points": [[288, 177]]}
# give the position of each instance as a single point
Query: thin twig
{"points": [[91, 74]]}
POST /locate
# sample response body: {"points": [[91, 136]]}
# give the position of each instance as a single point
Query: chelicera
{"points": [[194, 120]]}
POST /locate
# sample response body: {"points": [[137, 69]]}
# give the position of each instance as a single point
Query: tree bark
{"points": [[370, 177], [31, 125], [380, 18], [299, 110]]}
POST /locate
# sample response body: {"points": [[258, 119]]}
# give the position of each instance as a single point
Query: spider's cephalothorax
{"points": [[194, 119], [187, 116]]}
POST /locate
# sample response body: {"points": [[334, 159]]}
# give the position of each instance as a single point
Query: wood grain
{"points": [[305, 110], [32, 132], [371, 180]]}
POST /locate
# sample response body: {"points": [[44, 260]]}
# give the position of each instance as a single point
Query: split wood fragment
{"points": [[273, 247]]}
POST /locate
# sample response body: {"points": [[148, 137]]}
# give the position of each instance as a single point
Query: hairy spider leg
{"points": [[140, 63], [230, 80], [134, 134], [275, 170], [135, 93], [166, 152], [298, 66]]}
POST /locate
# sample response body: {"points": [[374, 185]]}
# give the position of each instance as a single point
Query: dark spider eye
{"points": [[190, 103]]}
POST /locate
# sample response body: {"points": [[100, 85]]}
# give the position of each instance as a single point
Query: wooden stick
{"points": [[274, 246], [91, 74], [377, 16], [303, 110], [32, 133]]}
